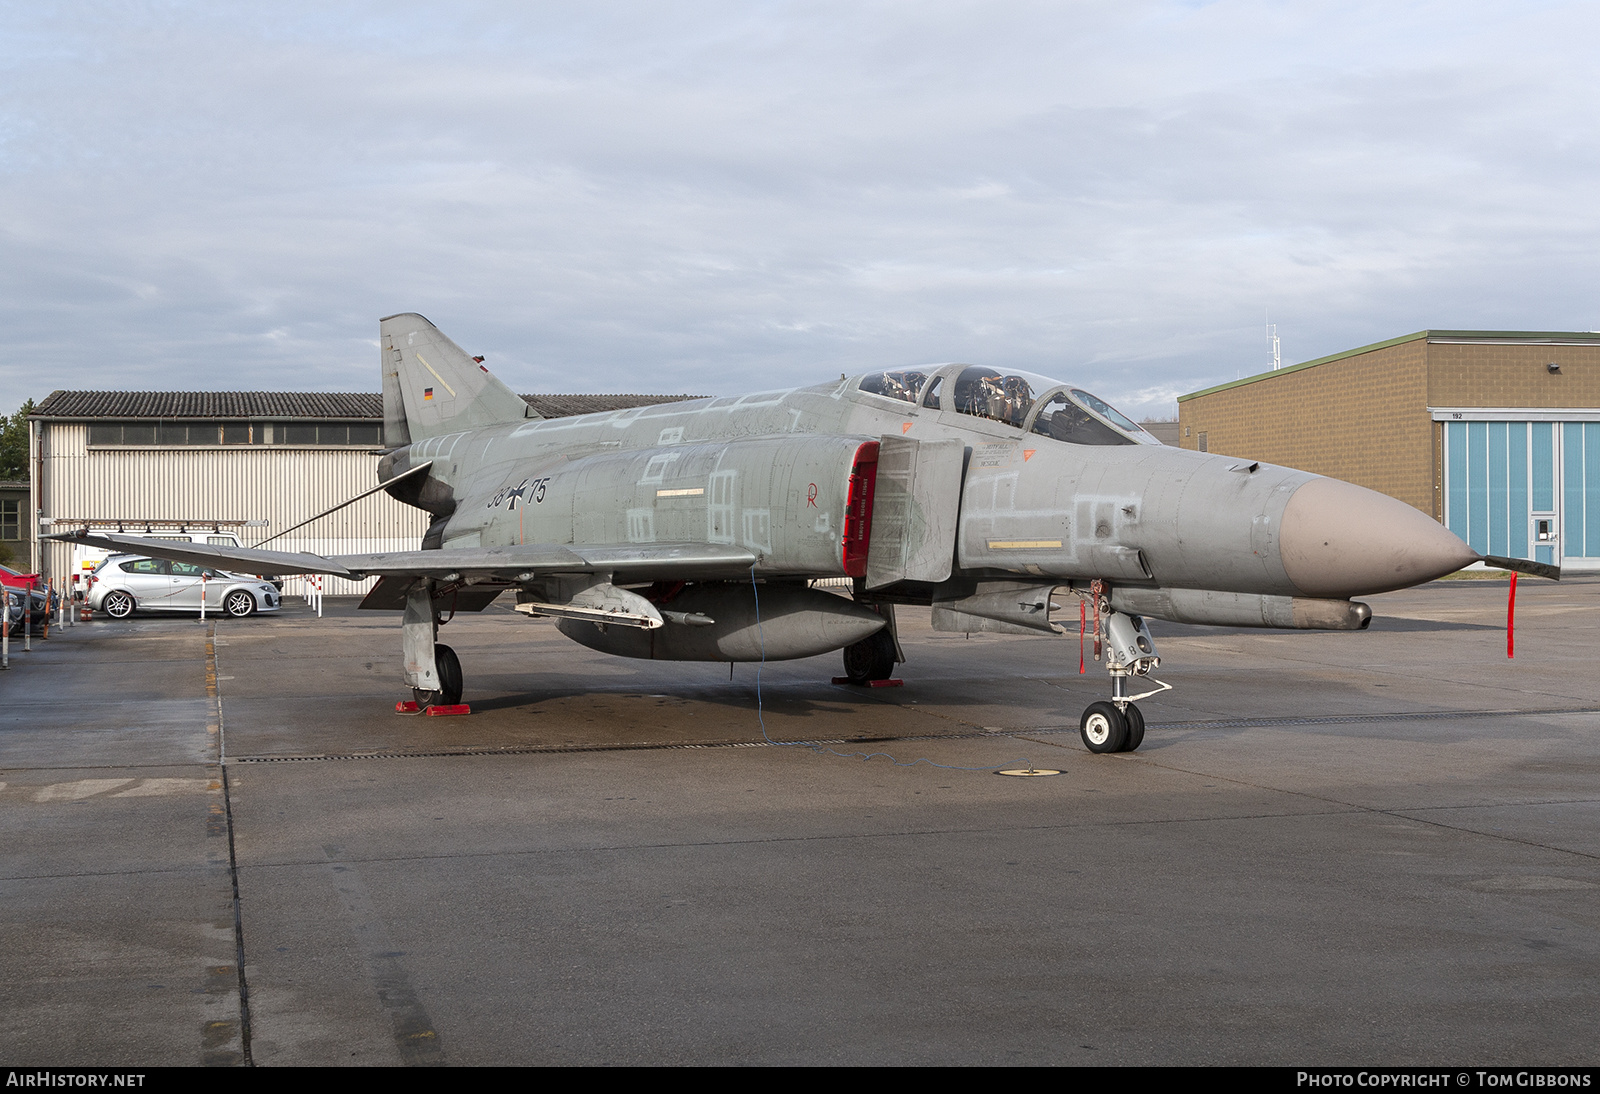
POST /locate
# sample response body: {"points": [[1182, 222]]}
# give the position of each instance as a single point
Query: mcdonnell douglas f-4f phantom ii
{"points": [[692, 531]]}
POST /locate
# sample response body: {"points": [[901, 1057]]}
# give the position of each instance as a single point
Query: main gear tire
{"points": [[448, 667], [870, 659]]}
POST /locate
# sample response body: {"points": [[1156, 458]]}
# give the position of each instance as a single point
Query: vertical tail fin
{"points": [[431, 386]]}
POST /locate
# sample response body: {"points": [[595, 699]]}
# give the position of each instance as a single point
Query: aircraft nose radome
{"points": [[1341, 540]]}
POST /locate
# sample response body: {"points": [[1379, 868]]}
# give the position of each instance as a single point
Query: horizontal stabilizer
{"points": [[1523, 566]]}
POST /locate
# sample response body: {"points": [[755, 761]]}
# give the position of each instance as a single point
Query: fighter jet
{"points": [[696, 531]]}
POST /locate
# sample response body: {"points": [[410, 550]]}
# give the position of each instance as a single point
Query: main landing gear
{"points": [[433, 671], [875, 656], [1118, 725]]}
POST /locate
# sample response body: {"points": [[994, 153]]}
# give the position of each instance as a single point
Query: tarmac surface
{"points": [[1370, 848]]}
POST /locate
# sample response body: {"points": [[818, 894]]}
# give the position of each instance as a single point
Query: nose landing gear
{"points": [[1118, 725]]}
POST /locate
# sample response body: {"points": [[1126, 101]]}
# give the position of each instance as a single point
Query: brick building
{"points": [[1494, 433]]}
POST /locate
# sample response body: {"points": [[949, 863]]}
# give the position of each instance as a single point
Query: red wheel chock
{"points": [[437, 711]]}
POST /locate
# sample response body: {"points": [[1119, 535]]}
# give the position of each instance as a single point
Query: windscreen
{"points": [[1077, 417]]}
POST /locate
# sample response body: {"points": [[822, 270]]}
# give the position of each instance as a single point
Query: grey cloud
{"points": [[709, 197]]}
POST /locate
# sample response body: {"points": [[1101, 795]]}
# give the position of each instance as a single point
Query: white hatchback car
{"points": [[124, 584]]}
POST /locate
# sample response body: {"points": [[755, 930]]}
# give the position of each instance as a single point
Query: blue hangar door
{"points": [[1525, 489]]}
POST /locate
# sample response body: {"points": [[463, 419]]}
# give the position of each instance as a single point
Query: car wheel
{"points": [[117, 604], [239, 603]]}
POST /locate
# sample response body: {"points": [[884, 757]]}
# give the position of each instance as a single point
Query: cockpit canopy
{"points": [[905, 386], [1023, 400]]}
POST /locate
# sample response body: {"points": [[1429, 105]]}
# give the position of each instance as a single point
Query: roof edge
{"points": [[1304, 364], [289, 406], [1506, 337]]}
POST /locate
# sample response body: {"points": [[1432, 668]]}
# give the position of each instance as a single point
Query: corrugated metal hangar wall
{"points": [[253, 462]]}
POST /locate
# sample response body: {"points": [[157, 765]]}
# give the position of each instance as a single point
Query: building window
{"points": [[329, 433], [1203, 447], [200, 434], [10, 519]]}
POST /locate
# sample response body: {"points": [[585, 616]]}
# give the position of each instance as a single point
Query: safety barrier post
{"points": [[203, 577], [27, 619], [5, 631]]}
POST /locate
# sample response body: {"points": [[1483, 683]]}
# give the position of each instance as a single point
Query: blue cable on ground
{"points": [[821, 748]]}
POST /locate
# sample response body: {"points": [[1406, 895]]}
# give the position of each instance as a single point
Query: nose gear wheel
{"points": [[1103, 728], [1117, 725]]}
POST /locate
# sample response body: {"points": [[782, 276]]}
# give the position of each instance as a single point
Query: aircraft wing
{"points": [[251, 560], [638, 561]]}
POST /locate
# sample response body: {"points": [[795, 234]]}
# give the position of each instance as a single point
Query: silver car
{"points": [[123, 584]]}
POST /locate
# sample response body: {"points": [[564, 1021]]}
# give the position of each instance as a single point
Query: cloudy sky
{"points": [[713, 197]]}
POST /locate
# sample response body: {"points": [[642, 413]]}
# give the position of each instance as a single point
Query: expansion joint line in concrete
{"points": [[1398, 813], [214, 715]]}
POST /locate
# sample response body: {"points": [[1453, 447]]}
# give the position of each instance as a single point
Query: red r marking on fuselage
{"points": [[811, 495]]}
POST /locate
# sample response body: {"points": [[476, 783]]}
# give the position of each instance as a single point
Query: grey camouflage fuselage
{"points": [[770, 472]]}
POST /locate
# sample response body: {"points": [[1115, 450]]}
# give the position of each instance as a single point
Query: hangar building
{"points": [[251, 462], [1494, 433]]}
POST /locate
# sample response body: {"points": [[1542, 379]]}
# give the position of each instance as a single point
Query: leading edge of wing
{"points": [[648, 560], [249, 559], [622, 561]]}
